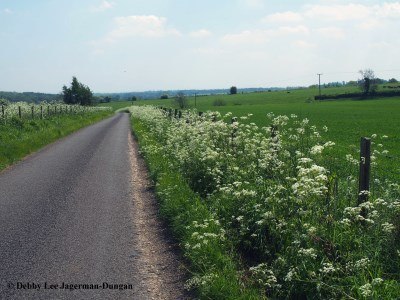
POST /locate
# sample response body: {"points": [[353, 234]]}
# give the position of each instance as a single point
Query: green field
{"points": [[115, 105], [347, 120]]}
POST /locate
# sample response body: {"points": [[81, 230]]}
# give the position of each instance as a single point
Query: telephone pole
{"points": [[319, 84]]}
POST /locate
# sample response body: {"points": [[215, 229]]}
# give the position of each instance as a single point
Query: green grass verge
{"points": [[214, 266], [19, 138]]}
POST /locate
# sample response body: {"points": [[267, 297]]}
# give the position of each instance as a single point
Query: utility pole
{"points": [[319, 84]]}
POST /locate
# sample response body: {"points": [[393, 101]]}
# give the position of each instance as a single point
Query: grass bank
{"points": [[19, 138]]}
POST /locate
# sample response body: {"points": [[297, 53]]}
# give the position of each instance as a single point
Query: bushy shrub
{"points": [[219, 102]]}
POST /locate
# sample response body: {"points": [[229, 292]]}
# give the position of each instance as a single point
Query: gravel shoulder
{"points": [[160, 263]]}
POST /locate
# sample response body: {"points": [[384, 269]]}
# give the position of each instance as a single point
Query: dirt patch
{"points": [[158, 259]]}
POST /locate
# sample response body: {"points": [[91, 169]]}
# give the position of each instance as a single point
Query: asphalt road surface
{"points": [[65, 219]]}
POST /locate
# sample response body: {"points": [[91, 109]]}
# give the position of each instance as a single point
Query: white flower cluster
{"points": [[207, 232], [264, 275]]}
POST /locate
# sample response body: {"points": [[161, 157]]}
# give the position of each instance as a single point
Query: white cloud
{"points": [[141, 26], [331, 32], [338, 12], [303, 44], [284, 17], [7, 11], [262, 36], [370, 24], [389, 10], [247, 36], [105, 5], [202, 33], [301, 29]]}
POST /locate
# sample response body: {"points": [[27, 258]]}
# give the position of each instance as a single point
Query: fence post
{"points": [[19, 112], [233, 134], [273, 130], [365, 167], [41, 112], [33, 111], [48, 110]]}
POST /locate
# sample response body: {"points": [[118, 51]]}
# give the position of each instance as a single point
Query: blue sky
{"points": [[136, 45]]}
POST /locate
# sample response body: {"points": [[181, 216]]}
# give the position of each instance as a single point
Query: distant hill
{"points": [[172, 93], [29, 97], [39, 97]]}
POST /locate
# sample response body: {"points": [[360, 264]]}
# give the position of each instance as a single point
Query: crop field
{"points": [[271, 199]]}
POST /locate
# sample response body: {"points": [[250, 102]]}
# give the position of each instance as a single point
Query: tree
{"points": [[78, 93], [368, 84], [134, 98], [393, 80], [164, 96], [181, 100], [233, 90]]}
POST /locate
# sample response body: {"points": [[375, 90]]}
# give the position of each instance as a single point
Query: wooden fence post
{"points": [[365, 166], [19, 112], [273, 130], [234, 130], [33, 112], [41, 112]]}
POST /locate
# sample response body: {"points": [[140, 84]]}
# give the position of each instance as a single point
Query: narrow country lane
{"points": [[66, 229]]}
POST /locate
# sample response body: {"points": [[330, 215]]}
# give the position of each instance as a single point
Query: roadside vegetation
{"points": [[25, 128], [270, 209]]}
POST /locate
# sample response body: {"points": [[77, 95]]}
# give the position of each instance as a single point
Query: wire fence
{"points": [[26, 111]]}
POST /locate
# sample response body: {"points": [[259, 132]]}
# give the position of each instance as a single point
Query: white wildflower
{"points": [[365, 290]]}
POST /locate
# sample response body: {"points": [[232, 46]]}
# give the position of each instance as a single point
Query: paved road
{"points": [[65, 218]]}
